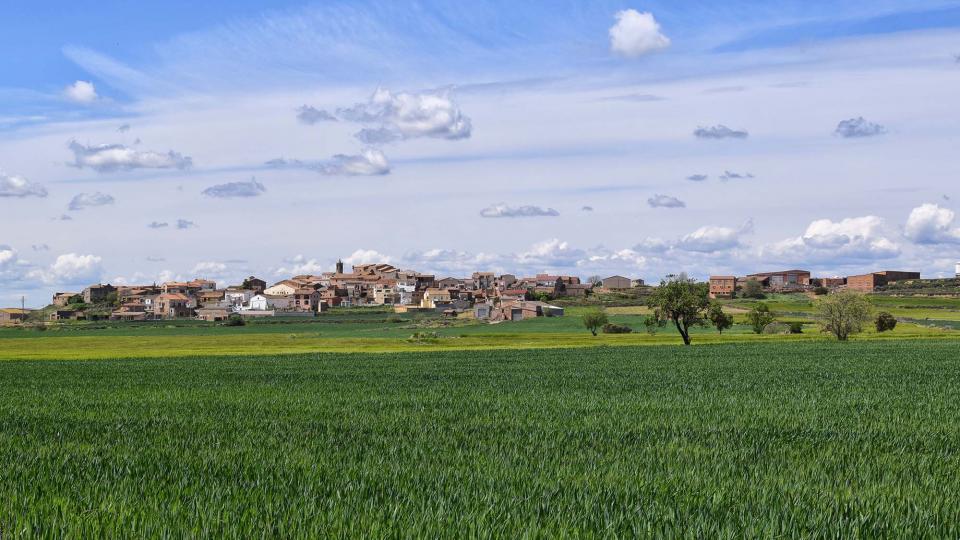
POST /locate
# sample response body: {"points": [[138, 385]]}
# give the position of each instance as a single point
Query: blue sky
{"points": [[226, 138]]}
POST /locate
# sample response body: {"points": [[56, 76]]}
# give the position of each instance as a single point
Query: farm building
{"points": [[786, 279], [869, 282], [616, 283], [722, 286]]}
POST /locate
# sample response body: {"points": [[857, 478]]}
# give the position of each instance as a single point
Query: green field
{"points": [[750, 439]]}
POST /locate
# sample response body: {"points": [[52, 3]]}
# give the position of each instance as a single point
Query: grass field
{"points": [[744, 439]]}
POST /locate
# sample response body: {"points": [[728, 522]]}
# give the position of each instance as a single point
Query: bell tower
{"points": [[339, 266]]}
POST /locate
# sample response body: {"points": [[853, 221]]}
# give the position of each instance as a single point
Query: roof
{"points": [[174, 296], [15, 310], [780, 272], [614, 277], [723, 277]]}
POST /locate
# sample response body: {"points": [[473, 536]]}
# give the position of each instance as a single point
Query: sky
{"points": [[224, 139]]}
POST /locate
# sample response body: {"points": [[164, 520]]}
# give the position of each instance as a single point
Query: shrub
{"points": [[611, 328], [394, 319], [796, 327], [820, 291], [594, 319], [759, 317], [720, 320], [885, 321], [776, 328], [234, 320], [752, 289]]}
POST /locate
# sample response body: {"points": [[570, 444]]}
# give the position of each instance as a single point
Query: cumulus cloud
{"points": [[587, 209], [301, 265], [407, 116], [158, 225], [87, 200], [731, 175], [81, 92], [71, 269], [370, 162], [185, 224], [20, 187], [366, 256], [229, 190], [665, 201], [931, 224], [503, 211], [310, 115], [697, 177], [858, 127], [711, 238], [551, 253], [720, 131], [11, 266], [208, 269], [636, 34], [118, 157], [850, 239]]}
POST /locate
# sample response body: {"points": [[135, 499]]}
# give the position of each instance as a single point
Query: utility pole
{"points": [[23, 309]]}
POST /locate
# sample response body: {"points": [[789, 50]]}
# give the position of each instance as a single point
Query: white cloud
{"points": [[18, 186], [229, 190], [731, 175], [117, 157], [635, 34], [503, 211], [711, 238], [697, 177], [81, 92], [551, 253], [858, 127], [310, 115], [406, 116], [209, 269], [665, 201], [86, 200], [366, 256], [720, 131], [931, 224], [837, 242], [71, 269], [303, 266], [370, 162]]}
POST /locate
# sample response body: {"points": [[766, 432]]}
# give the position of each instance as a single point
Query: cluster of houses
{"points": [[483, 295], [802, 281]]}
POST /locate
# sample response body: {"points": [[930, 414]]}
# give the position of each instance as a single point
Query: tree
{"points": [[843, 314], [594, 319], [759, 317], [720, 320], [752, 289], [885, 321], [593, 280], [681, 300]]}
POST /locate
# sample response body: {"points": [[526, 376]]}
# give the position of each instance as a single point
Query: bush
{"points": [[394, 319], [752, 289], [594, 319], [885, 321], [796, 327], [760, 317], [611, 328], [820, 291], [234, 320], [776, 328]]}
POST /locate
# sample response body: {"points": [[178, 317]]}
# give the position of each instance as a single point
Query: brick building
{"points": [[723, 286], [869, 282]]}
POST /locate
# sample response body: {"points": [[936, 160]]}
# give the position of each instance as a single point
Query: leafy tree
{"points": [[720, 320], [234, 320], [796, 327], [885, 321], [843, 314], [112, 299], [681, 300], [543, 297], [759, 317], [594, 319], [752, 289]]}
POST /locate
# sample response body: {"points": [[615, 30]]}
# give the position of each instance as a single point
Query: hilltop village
{"points": [[483, 295]]}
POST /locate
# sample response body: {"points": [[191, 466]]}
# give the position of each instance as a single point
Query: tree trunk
{"points": [[683, 332]]}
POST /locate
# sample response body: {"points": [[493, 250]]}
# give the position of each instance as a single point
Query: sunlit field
{"points": [[746, 439]]}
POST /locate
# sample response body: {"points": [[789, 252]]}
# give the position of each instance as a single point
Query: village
{"points": [[483, 295]]}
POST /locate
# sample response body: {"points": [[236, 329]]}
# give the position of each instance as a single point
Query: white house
{"points": [[265, 302]]}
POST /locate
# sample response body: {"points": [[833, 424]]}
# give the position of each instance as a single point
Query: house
{"points": [[306, 299], [62, 299], [265, 302], [833, 282], [869, 282], [205, 298], [786, 279], [237, 297], [255, 284], [283, 288], [450, 283], [66, 315], [433, 298], [616, 283], [723, 286], [96, 294], [483, 280], [638, 283], [482, 311], [576, 289], [213, 313], [172, 305], [509, 295], [518, 311], [128, 315], [13, 315]]}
